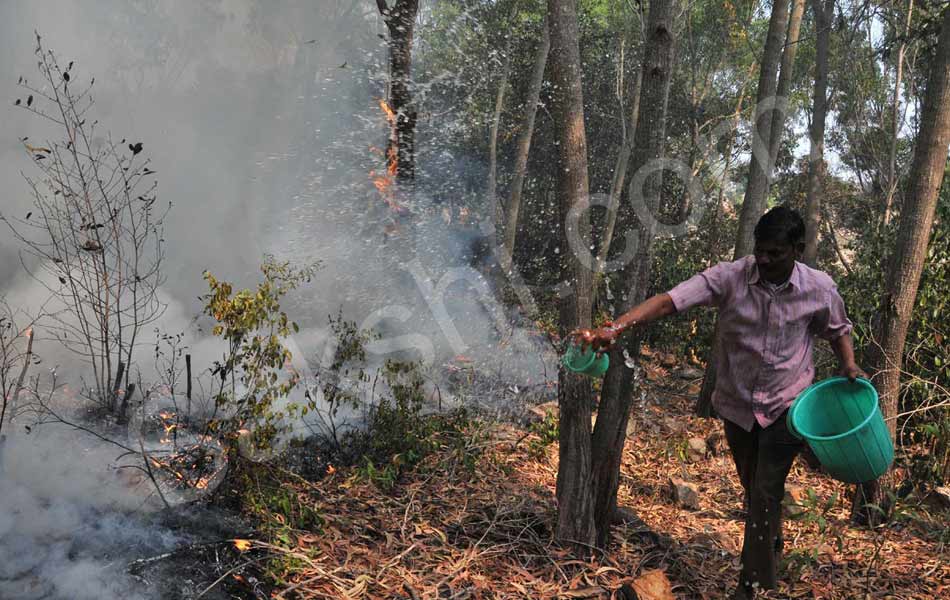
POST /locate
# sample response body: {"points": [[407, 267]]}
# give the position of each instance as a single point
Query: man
{"points": [[770, 309]]}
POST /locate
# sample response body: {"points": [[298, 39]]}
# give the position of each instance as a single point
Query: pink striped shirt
{"points": [[766, 336]]}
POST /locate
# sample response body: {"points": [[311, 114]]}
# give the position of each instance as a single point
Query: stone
{"points": [[689, 373], [653, 585], [541, 410], [942, 494], [792, 502], [716, 444], [684, 493], [696, 449]]}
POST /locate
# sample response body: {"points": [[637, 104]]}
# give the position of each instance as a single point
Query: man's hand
{"points": [[852, 372], [601, 339]]}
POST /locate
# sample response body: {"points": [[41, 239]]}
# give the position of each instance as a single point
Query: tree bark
{"points": [[620, 174], [650, 143], [760, 171], [400, 20], [906, 264], [524, 145], [786, 73], [575, 522], [824, 14], [895, 119], [759, 168], [492, 183]]}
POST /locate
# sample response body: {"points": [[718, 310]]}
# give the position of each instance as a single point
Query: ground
{"points": [[446, 529]]}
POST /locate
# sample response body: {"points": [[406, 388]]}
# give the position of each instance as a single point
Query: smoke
{"points": [[262, 121]]}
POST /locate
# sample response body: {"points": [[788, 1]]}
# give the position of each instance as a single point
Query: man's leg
{"points": [[744, 447], [761, 548]]}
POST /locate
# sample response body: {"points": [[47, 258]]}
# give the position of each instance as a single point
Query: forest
{"points": [[475, 299]]}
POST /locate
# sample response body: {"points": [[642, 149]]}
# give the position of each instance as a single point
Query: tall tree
{"points": [[513, 208], [610, 428], [400, 19], [492, 183], [895, 116], [824, 14], [785, 78], [907, 261], [574, 494], [760, 167]]}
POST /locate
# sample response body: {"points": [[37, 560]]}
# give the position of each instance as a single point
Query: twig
{"points": [[148, 469], [223, 577]]}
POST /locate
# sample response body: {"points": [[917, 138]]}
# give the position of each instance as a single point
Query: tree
{"points": [[824, 13], [760, 166], [574, 494], [650, 142], [513, 209], [885, 358], [94, 234], [400, 20]]}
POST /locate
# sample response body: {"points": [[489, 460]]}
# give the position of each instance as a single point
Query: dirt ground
{"points": [[448, 532]]}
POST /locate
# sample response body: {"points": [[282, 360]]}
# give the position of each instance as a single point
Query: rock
{"points": [[632, 426], [653, 585], [716, 443], [688, 373], [942, 494], [792, 502], [542, 410], [696, 449], [720, 539], [675, 426], [685, 493]]}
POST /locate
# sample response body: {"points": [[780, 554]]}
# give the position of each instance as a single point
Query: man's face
{"points": [[775, 259]]}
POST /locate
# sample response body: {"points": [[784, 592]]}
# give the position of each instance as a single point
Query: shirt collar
{"points": [[795, 279]]}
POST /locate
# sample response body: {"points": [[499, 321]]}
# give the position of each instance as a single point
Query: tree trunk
{"points": [[895, 118], [574, 493], [650, 142], [906, 264], [824, 14], [759, 169], [492, 183], [524, 145], [400, 20], [620, 174], [784, 83]]}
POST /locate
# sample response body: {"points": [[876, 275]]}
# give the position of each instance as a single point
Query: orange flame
{"points": [[384, 181], [242, 545]]}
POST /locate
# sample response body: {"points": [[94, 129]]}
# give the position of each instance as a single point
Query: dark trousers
{"points": [[763, 459]]}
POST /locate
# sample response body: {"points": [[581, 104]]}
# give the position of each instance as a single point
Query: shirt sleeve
{"points": [[832, 320], [704, 289]]}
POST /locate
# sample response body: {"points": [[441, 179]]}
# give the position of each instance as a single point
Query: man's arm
{"points": [[844, 350], [649, 310]]}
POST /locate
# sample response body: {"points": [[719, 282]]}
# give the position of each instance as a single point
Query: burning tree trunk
{"points": [[650, 142], [574, 494], [907, 262], [400, 20], [824, 11]]}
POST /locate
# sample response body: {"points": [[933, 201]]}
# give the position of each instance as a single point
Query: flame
{"points": [[28, 333], [384, 181], [242, 545]]}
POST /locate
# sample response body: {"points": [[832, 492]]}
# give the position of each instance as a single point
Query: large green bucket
{"points": [[842, 423]]}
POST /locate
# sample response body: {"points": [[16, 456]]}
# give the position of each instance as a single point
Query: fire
{"points": [[384, 181], [242, 545]]}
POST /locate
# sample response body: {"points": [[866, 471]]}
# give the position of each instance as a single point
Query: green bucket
{"points": [[842, 423], [585, 361]]}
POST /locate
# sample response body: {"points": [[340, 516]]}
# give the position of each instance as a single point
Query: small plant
{"points": [[250, 372], [94, 230], [545, 433], [815, 511]]}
